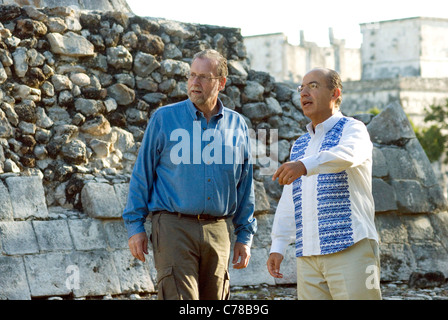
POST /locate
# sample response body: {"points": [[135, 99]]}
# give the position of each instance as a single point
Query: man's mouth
{"points": [[196, 91], [306, 103]]}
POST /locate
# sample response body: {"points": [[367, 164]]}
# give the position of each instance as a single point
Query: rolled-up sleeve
{"points": [[136, 209], [244, 221]]}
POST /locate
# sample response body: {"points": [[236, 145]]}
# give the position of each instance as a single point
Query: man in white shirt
{"points": [[327, 205]]}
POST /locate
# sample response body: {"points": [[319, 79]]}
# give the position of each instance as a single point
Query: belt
{"points": [[193, 216]]}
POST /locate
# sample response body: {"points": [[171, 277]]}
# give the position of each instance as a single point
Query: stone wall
{"points": [[77, 89]]}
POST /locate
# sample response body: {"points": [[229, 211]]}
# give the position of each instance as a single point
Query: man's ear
{"points": [[336, 93], [222, 83]]}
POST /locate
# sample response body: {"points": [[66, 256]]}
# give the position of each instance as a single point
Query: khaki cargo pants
{"points": [[191, 257]]}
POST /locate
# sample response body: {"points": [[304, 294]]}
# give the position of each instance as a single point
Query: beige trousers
{"points": [[191, 257], [352, 274]]}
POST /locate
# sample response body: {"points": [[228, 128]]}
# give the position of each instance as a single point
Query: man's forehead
{"points": [[205, 64], [313, 76]]}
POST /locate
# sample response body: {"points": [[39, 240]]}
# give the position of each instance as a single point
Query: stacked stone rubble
{"points": [[77, 89]]}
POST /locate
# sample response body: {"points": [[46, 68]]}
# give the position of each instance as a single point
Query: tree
{"points": [[434, 139]]}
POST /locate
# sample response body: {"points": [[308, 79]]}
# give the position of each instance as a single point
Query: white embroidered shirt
{"points": [[332, 207]]}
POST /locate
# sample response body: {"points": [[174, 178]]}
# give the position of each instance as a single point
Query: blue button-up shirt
{"points": [[193, 167]]}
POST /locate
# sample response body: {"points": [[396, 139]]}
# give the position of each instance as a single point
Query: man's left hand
{"points": [[242, 252]]}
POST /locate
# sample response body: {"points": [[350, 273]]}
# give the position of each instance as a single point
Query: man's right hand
{"points": [[274, 261], [138, 244]]}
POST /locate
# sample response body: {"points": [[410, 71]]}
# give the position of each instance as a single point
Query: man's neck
{"points": [[208, 111]]}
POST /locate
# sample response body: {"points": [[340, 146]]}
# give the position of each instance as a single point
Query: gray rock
{"points": [[145, 64], [171, 68], [253, 91], [27, 197], [88, 234], [13, 279], [17, 237], [74, 152], [70, 44], [119, 58], [391, 126], [100, 201], [98, 126], [121, 93], [20, 61]]}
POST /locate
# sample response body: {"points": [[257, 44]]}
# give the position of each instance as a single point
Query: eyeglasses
{"points": [[200, 77], [311, 86]]}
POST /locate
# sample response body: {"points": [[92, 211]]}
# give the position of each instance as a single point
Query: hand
{"points": [[288, 172], [241, 251], [138, 244], [273, 264]]}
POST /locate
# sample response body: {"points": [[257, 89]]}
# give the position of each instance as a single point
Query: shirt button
{"points": [[208, 198], [208, 180]]}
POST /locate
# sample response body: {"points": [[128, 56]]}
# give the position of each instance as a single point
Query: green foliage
{"points": [[375, 111], [433, 139]]}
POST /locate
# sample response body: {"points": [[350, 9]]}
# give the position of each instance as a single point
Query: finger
{"points": [[277, 173]]}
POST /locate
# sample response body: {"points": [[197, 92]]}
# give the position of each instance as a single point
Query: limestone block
{"points": [[383, 195], [439, 222], [13, 281], [411, 197], [419, 228], [379, 164], [97, 274], [87, 234], [400, 163], [430, 256], [391, 228], [47, 274], [134, 275], [5, 203], [100, 201], [27, 197], [397, 261], [116, 233], [422, 165], [122, 190], [53, 235], [17, 237]]}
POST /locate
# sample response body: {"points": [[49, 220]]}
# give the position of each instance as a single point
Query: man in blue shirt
{"points": [[194, 176]]}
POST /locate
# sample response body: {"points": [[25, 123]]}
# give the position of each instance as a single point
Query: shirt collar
{"points": [[326, 125], [195, 113]]}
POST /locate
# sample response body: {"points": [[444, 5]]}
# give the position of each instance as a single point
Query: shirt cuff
{"points": [[245, 238], [279, 246], [311, 165], [134, 228]]}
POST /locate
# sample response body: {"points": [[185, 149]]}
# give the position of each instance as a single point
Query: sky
{"points": [[313, 17]]}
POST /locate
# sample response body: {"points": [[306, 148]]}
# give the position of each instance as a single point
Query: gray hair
{"points": [[214, 55]]}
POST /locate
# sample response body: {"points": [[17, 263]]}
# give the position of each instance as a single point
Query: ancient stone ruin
{"points": [[77, 88]]}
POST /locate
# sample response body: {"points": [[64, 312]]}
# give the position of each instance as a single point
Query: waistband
{"points": [[193, 216]]}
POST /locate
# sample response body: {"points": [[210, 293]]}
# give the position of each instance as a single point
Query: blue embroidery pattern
{"points": [[333, 202], [297, 153], [334, 215]]}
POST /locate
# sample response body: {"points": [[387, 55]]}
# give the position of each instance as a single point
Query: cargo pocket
{"points": [[226, 286], [166, 284]]}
